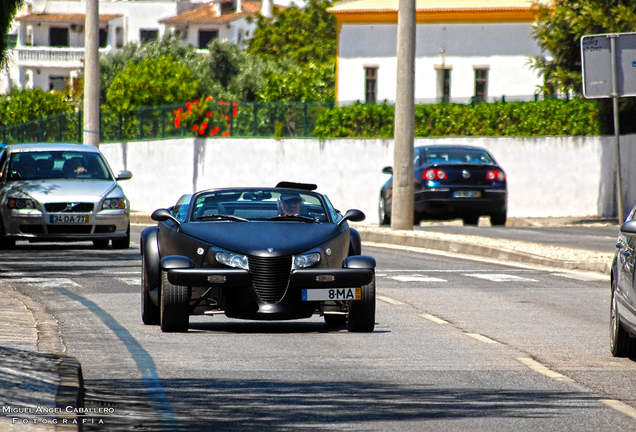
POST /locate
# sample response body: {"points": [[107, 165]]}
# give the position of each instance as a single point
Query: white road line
{"points": [[389, 300], [45, 282], [416, 278], [481, 338], [585, 277], [495, 277], [451, 270], [130, 281], [433, 318], [543, 370], [621, 407]]}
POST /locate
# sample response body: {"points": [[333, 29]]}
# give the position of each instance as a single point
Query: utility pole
{"points": [[402, 206], [91, 74]]}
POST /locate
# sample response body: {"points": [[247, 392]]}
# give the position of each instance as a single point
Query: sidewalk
{"points": [[34, 372]]}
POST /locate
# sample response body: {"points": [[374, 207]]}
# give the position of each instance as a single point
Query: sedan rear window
{"points": [[49, 165], [458, 155]]}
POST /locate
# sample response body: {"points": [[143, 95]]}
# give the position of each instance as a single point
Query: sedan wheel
{"points": [[149, 312], [122, 242], [361, 317], [384, 218], [621, 345], [471, 219], [175, 306], [498, 219]]}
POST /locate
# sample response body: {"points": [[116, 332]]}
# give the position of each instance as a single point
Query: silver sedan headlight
{"points": [[114, 204], [232, 260], [305, 260], [20, 203]]}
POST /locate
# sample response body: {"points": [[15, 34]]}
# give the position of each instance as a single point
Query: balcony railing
{"points": [[44, 56]]}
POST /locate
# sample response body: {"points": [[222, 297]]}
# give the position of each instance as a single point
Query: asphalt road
{"points": [[459, 345]]}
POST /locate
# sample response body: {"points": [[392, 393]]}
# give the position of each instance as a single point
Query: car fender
{"points": [[150, 252], [355, 242], [359, 262]]}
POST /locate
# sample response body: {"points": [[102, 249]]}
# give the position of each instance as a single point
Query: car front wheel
{"points": [[361, 316], [175, 306], [498, 219], [149, 312], [621, 345], [122, 242]]}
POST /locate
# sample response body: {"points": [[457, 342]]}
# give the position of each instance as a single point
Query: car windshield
{"points": [[458, 155], [53, 164], [283, 205]]}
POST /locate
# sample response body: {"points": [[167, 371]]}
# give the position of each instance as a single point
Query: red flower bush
{"points": [[204, 117]]}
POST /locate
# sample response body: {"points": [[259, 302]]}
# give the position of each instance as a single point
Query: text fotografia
{"points": [[55, 415]]}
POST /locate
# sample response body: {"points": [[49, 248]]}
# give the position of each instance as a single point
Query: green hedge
{"points": [[549, 117]]}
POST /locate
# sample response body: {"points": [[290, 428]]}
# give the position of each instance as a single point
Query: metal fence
{"points": [[228, 119]]}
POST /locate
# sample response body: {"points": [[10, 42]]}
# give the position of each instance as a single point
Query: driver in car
{"points": [[289, 205]]}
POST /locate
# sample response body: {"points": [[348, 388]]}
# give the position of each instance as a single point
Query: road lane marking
{"points": [[130, 281], [433, 318], [389, 300], [591, 277], [45, 282], [481, 338], [496, 277], [621, 407], [543, 370], [416, 278]]}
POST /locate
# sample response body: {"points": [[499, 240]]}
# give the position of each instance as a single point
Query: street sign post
{"points": [[608, 64]]}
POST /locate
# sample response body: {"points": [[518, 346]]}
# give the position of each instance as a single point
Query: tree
{"points": [[558, 31], [8, 9], [21, 106], [152, 82]]}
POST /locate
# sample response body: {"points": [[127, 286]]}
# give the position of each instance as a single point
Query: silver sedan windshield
{"points": [[45, 165]]}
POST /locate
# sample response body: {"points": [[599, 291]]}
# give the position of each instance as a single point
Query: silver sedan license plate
{"points": [[466, 194], [69, 219], [325, 294]]}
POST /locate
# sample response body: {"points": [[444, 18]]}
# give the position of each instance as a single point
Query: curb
{"points": [[480, 251]]}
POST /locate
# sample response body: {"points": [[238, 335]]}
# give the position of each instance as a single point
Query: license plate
{"points": [[324, 294], [467, 194], [69, 219]]}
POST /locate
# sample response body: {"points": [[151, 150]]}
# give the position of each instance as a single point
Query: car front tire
{"points": [[621, 345], [122, 242], [498, 219], [175, 306], [471, 219], [361, 316], [149, 312]]}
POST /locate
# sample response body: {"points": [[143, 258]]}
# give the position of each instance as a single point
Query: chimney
{"points": [[266, 10]]}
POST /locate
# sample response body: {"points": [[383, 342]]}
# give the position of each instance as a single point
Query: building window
{"points": [[58, 37], [444, 84], [103, 38], [207, 36], [481, 84], [370, 84], [58, 83], [147, 35]]}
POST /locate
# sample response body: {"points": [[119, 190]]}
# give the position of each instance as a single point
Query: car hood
{"points": [[62, 190], [255, 238]]}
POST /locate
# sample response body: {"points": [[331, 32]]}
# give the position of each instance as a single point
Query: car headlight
{"points": [[305, 260], [232, 260], [20, 203], [114, 203]]}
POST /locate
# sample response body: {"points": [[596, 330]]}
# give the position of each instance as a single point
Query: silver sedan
{"points": [[61, 192]]}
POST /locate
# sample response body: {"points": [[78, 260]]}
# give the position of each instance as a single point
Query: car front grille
{"points": [[69, 207], [270, 276]]}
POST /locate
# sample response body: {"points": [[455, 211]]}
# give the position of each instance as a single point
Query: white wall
{"points": [[556, 176]]}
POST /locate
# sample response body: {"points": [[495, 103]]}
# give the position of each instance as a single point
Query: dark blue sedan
{"points": [[453, 182]]}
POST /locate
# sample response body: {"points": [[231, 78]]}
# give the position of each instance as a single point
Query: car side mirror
{"points": [[628, 229], [124, 175], [162, 215], [387, 170], [353, 215]]}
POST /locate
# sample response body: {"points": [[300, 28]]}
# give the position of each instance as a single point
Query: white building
{"points": [[50, 43], [464, 49]]}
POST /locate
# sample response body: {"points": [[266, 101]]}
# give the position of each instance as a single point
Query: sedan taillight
{"points": [[434, 174], [496, 175]]}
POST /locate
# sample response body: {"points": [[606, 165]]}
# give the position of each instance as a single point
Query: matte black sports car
{"points": [[453, 182], [256, 253], [623, 300]]}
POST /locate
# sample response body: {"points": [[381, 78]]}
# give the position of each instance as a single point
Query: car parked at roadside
{"points": [[452, 181], [259, 253], [623, 292], [61, 192]]}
